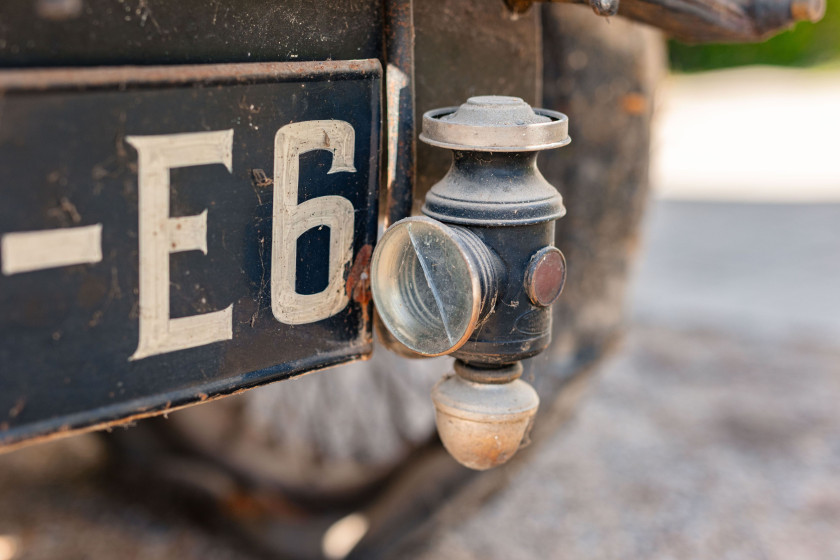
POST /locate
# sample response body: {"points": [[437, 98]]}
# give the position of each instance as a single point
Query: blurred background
{"points": [[714, 432]]}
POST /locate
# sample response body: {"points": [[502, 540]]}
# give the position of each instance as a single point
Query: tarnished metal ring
{"points": [[506, 138], [504, 374]]}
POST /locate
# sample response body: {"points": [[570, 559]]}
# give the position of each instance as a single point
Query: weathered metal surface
{"points": [[173, 234], [707, 21], [465, 48], [107, 32], [399, 99]]}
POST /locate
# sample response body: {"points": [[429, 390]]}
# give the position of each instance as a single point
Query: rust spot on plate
{"points": [[260, 178], [357, 284]]}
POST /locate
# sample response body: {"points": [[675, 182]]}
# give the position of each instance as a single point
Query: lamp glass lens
{"points": [[423, 286]]}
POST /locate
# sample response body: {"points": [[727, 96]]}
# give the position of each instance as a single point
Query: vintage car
{"points": [[192, 195]]}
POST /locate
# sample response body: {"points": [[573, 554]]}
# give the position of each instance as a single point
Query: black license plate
{"points": [[172, 234]]}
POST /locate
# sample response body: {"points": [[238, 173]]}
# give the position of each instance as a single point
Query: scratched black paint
{"points": [[108, 32], [66, 333]]}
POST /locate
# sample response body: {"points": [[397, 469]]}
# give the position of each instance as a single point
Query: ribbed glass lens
{"points": [[424, 288]]}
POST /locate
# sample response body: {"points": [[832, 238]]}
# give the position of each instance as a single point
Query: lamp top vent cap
{"points": [[495, 123]]}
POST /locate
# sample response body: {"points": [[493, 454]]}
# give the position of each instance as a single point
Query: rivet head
{"points": [[545, 276]]}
